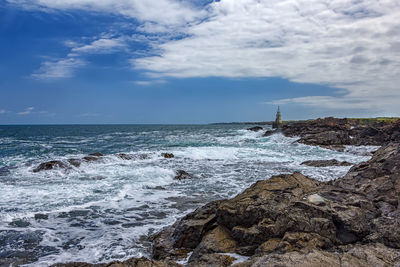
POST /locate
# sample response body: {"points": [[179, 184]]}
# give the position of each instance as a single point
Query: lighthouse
{"points": [[278, 121]]}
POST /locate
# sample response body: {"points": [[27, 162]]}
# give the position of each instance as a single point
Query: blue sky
{"points": [[171, 61]]}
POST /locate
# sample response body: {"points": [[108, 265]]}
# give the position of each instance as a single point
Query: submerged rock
{"points": [[255, 128], [181, 174], [75, 162], [167, 155], [325, 163], [49, 165], [270, 132]]}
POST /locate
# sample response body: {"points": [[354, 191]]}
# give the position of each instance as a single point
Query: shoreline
{"points": [[353, 219]]}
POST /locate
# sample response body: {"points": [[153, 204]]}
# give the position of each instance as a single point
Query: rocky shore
{"points": [[293, 220]]}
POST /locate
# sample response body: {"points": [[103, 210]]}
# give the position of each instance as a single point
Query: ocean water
{"points": [[104, 210]]}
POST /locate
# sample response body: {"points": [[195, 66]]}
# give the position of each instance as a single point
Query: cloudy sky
{"points": [[197, 61]]}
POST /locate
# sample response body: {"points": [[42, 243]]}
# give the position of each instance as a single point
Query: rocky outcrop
{"points": [[325, 163], [76, 162], [291, 220], [167, 155], [336, 133], [255, 128], [49, 165]]}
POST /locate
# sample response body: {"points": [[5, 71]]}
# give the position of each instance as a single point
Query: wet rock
{"points": [[96, 154], [50, 165], [270, 132], [325, 163], [167, 155], [75, 162], [40, 216], [125, 156], [20, 223], [181, 174], [255, 128]]}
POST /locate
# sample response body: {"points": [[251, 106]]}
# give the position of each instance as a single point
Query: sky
{"points": [[197, 61]]}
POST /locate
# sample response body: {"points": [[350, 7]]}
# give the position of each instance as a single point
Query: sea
{"points": [[105, 210]]}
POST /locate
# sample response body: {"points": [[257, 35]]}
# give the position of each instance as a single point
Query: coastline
{"points": [[352, 220]]}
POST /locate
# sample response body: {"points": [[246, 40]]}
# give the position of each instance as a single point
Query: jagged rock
{"points": [[352, 255], [212, 260], [167, 155], [49, 165], [181, 174], [325, 163], [292, 220], [255, 128], [335, 133]]}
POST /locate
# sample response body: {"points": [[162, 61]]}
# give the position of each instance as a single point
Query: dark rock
{"points": [[75, 162], [292, 220], [125, 156], [270, 132], [96, 154], [50, 165], [325, 163], [167, 155], [335, 133], [40, 216], [181, 174], [20, 223], [255, 128]]}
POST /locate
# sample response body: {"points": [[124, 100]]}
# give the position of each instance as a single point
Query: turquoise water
{"points": [[103, 210]]}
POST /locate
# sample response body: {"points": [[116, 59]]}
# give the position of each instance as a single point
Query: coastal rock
{"points": [[181, 174], [270, 132], [134, 262], [352, 255], [325, 163], [93, 157], [291, 220], [167, 155], [335, 133], [49, 165], [255, 128]]}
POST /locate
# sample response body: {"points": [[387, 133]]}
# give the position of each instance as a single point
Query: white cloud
{"points": [[27, 111], [167, 12], [101, 46], [149, 82], [345, 44], [59, 68], [65, 67], [3, 111]]}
